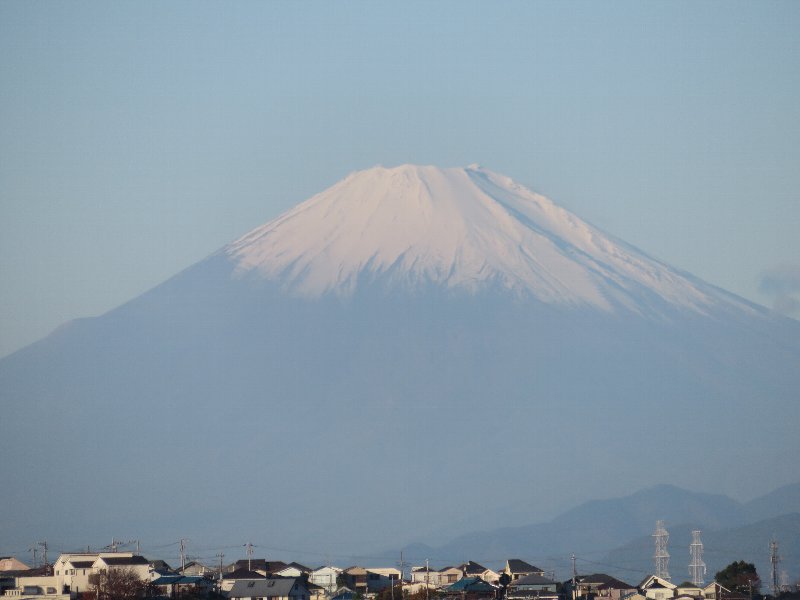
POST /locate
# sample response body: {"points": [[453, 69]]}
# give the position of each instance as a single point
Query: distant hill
{"points": [[592, 529], [774, 504], [747, 542]]}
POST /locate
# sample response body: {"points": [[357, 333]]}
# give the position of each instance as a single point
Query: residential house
{"points": [[532, 587], [425, 574], [269, 589], [160, 567], [656, 588], [517, 569], [326, 577], [10, 563], [127, 561], [229, 580], [449, 575], [344, 593], [75, 569], [259, 565], [471, 569], [40, 587], [381, 578], [355, 578], [316, 592], [293, 570], [172, 586], [196, 569], [690, 591], [600, 585], [409, 589], [472, 588]]}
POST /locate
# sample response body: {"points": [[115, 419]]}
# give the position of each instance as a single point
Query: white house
{"points": [[325, 577], [425, 574], [74, 570], [656, 588], [127, 561]]}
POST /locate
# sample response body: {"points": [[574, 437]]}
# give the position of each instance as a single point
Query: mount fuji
{"points": [[412, 348]]}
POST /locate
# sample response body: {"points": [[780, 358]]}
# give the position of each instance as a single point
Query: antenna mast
{"points": [[697, 568], [661, 556]]}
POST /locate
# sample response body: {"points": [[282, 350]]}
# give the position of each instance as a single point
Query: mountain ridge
{"points": [[622, 527]]}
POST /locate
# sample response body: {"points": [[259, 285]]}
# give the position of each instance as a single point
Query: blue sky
{"points": [[139, 137]]}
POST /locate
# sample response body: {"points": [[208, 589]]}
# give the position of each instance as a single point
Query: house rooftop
{"points": [[470, 584], [516, 565], [243, 573], [119, 561], [606, 581], [263, 588]]}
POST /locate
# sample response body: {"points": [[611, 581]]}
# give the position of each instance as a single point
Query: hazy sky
{"points": [[138, 137]]}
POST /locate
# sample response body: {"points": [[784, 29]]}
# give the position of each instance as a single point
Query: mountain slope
{"points": [[597, 525], [619, 530], [386, 381]]}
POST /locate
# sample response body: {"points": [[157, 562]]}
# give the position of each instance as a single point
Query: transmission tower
{"points": [[774, 561], [661, 556], [697, 568]]}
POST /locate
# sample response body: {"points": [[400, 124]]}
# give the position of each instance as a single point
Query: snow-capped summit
{"points": [[461, 228]]}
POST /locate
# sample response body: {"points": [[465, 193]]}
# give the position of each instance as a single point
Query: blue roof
{"points": [[470, 584]]}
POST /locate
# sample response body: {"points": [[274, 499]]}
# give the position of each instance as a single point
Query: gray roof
{"points": [[605, 580], [520, 566], [125, 560], [262, 588], [82, 564]]}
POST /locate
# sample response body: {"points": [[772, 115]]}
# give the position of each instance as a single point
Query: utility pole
{"points": [[220, 556], [774, 561], [574, 577], [427, 578], [183, 555], [249, 556]]}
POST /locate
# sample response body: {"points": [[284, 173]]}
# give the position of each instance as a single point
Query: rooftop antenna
{"points": [[697, 568], [661, 556]]}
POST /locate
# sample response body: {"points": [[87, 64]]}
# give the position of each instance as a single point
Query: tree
{"points": [[739, 576], [118, 584]]}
